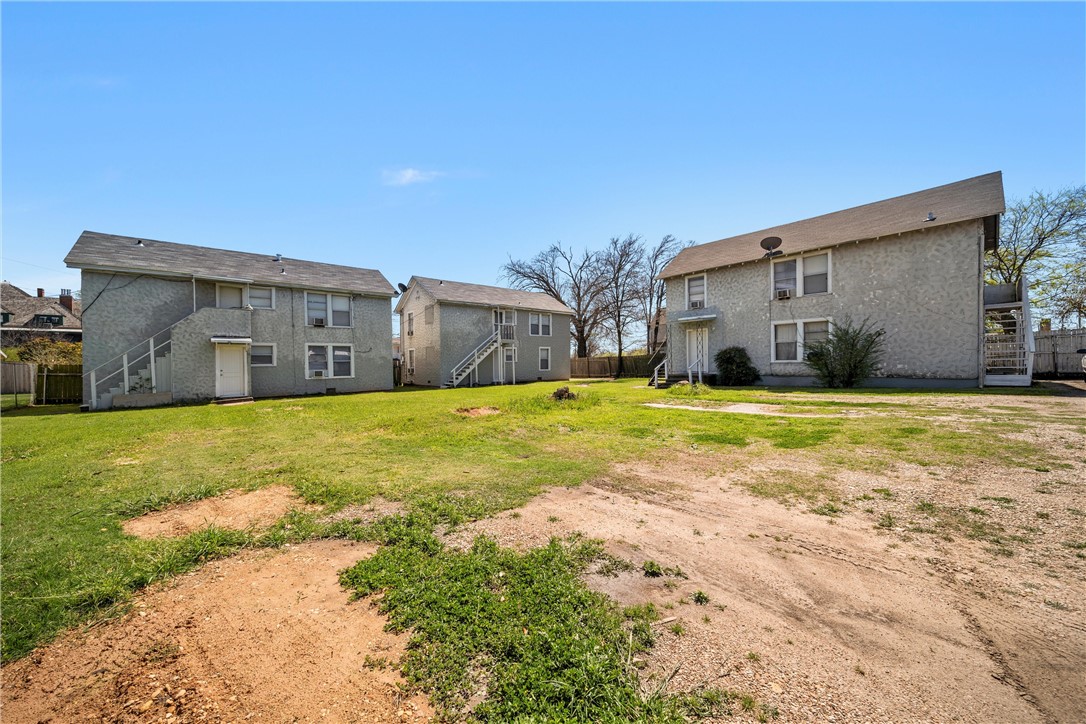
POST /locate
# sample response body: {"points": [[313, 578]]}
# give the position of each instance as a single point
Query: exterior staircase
{"points": [[469, 363], [144, 368]]}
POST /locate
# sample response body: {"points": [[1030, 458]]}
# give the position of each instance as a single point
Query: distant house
{"points": [[453, 333], [24, 316], [912, 265], [168, 322]]}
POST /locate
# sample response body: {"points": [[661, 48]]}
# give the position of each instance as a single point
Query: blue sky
{"points": [[439, 139]]}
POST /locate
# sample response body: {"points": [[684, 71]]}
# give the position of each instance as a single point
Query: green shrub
{"points": [[734, 367], [851, 354]]}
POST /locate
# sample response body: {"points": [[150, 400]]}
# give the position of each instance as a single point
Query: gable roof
{"points": [[24, 307], [444, 290], [110, 252], [974, 198]]}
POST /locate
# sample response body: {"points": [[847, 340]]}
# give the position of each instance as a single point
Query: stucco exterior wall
{"points": [[132, 308], [923, 288], [425, 340]]}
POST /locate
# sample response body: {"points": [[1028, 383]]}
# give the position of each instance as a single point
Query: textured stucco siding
{"points": [[132, 308], [425, 340], [923, 288]]}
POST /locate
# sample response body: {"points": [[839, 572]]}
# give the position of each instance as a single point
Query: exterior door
{"points": [[231, 380], [697, 348]]}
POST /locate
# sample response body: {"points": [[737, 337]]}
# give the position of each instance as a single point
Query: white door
{"points": [[231, 379], [697, 348]]}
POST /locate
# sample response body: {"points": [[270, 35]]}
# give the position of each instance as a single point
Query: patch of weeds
{"points": [[688, 390], [829, 509], [1043, 469], [886, 493], [859, 670], [515, 514], [553, 519], [720, 438], [787, 486], [611, 566], [1000, 550], [747, 702], [652, 569], [701, 598], [161, 501], [377, 663], [886, 521], [706, 703], [677, 628], [1075, 545], [999, 500], [697, 532], [705, 619], [1057, 605], [161, 650], [1076, 512], [978, 511], [751, 656], [865, 496], [670, 585], [753, 535], [766, 713], [553, 649], [927, 507], [1042, 515]]}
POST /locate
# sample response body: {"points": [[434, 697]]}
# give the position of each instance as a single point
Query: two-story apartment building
{"points": [[455, 333], [166, 322], [912, 265]]}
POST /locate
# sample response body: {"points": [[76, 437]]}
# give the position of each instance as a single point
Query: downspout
{"points": [[980, 310], [194, 294]]}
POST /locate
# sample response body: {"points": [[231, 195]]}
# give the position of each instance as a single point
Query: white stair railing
{"points": [[466, 365], [130, 363], [690, 371], [656, 373]]}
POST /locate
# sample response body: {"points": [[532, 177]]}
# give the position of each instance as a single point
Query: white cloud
{"points": [[408, 176]]}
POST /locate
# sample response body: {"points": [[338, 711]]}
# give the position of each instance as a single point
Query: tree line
{"points": [[610, 290]]}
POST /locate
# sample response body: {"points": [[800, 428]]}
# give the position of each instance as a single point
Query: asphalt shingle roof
{"points": [[444, 290], [94, 250], [24, 307], [973, 198]]}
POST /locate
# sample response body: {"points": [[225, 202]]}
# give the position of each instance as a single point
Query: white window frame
{"points": [[801, 351], [410, 324], [705, 288], [275, 354], [799, 291], [248, 300], [540, 365], [411, 359], [539, 320], [328, 309], [331, 361], [218, 295], [503, 316], [505, 353]]}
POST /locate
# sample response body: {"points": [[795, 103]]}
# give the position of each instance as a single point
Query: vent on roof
{"points": [[278, 257], [931, 217], [139, 242]]}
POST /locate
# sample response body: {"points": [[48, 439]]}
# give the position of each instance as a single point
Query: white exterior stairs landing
{"points": [[1008, 335], [469, 363]]}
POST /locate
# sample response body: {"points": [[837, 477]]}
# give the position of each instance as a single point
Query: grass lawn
{"points": [[70, 479]]}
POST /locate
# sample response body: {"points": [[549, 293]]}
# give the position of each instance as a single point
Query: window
{"points": [[53, 319], [262, 355], [410, 323], [539, 325], [784, 276], [317, 306], [6, 317], [318, 356], [544, 359], [816, 274], [505, 316], [229, 296], [510, 354], [792, 339], [804, 275], [695, 292], [261, 298], [784, 343], [410, 359]]}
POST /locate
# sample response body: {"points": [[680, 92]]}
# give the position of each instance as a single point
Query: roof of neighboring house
{"points": [[24, 307], [974, 198], [110, 252], [444, 290]]}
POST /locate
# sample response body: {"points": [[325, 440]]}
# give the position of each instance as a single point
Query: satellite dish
{"points": [[402, 286], [770, 243]]}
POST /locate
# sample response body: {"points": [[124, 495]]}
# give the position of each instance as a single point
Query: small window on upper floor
{"points": [[695, 292], [230, 296], [410, 323], [816, 274], [6, 317], [784, 276], [801, 276], [49, 319], [262, 297]]}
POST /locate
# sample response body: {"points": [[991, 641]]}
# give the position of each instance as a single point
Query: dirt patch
{"points": [[374, 510], [749, 408], [832, 617], [478, 411], [233, 509], [266, 636]]}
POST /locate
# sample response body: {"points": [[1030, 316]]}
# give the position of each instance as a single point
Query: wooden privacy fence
{"points": [[17, 378], [633, 365], [1055, 352], [59, 384]]}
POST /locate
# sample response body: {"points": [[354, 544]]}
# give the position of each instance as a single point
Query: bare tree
{"points": [[623, 271], [574, 279], [1036, 230], [652, 289]]}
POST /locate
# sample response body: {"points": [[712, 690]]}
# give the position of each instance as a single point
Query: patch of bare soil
{"points": [[478, 411], [375, 509], [836, 618], [233, 509], [264, 636], [749, 408]]}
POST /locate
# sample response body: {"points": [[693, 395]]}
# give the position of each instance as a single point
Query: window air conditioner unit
{"points": [[410, 370], [318, 321], [784, 294], [697, 304], [410, 333]]}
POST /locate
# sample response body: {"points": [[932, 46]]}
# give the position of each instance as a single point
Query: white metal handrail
{"points": [[474, 354], [690, 371], [656, 373], [508, 331]]}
